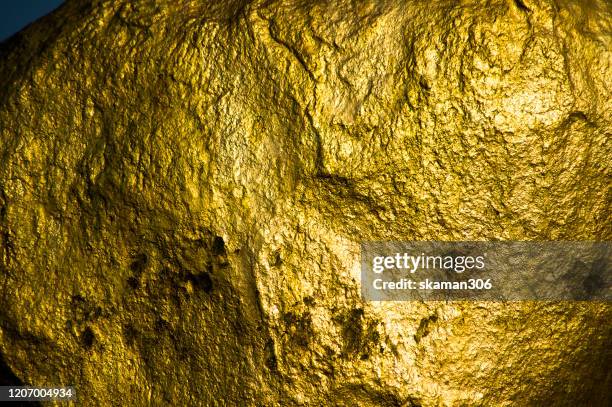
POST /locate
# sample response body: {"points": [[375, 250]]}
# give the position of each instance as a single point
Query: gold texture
{"points": [[184, 186]]}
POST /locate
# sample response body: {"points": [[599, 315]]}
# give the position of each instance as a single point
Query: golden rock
{"points": [[184, 186]]}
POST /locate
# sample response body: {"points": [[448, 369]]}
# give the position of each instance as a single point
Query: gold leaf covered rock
{"points": [[184, 186]]}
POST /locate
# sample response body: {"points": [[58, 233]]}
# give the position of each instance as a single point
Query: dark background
{"points": [[16, 14]]}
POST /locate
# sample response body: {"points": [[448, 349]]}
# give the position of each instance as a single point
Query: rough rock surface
{"points": [[184, 186]]}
